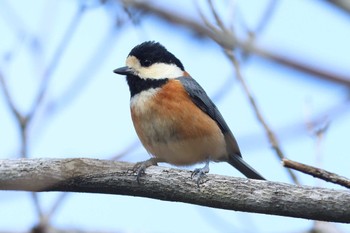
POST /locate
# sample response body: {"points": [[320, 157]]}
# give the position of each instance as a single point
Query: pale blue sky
{"points": [[97, 122]]}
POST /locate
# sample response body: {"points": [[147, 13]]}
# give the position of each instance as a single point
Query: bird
{"points": [[174, 118]]}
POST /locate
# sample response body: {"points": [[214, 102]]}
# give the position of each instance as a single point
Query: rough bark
{"points": [[102, 176]]}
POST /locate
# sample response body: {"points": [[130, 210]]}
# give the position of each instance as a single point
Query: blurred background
{"points": [[60, 99]]}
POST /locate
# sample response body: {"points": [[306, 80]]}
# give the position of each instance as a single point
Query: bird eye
{"points": [[146, 63]]}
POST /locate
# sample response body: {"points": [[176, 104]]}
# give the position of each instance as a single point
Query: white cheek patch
{"points": [[133, 62], [155, 71], [160, 71]]}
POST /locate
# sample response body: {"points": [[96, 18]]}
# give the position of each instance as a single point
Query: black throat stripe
{"points": [[136, 84]]}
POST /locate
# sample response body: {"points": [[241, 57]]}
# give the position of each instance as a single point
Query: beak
{"points": [[123, 70]]}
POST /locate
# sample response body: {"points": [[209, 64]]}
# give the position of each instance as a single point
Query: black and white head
{"points": [[151, 60]]}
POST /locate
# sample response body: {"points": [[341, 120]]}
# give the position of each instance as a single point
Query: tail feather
{"points": [[237, 162]]}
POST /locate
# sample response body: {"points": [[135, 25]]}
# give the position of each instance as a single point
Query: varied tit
{"points": [[174, 118]]}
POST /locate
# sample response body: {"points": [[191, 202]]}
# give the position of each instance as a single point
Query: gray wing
{"points": [[201, 99]]}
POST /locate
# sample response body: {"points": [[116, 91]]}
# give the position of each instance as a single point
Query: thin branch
{"points": [[71, 29], [317, 172], [317, 131], [270, 134], [23, 126], [36, 202], [179, 20], [21, 120], [86, 74], [316, 72], [8, 98], [13, 19], [55, 206], [266, 17], [216, 15], [227, 41], [24, 120], [262, 23], [81, 81], [341, 4], [295, 129], [239, 194], [210, 26]]}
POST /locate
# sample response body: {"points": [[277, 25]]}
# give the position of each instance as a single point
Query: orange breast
{"points": [[172, 127]]}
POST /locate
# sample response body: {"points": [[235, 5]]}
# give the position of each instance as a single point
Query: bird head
{"points": [[151, 60]]}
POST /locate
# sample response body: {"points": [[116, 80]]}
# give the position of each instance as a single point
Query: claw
{"points": [[195, 172], [200, 173], [140, 167]]}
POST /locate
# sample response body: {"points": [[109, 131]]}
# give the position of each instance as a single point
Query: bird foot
{"points": [[140, 167], [200, 173]]}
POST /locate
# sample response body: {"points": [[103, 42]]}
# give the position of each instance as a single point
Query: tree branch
{"points": [[228, 41], [317, 172], [343, 5], [269, 133], [101, 176]]}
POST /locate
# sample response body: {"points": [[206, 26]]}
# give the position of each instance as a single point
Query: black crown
{"points": [[151, 52]]}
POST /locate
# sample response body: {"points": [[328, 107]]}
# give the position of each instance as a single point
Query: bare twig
{"points": [[317, 172], [13, 19], [79, 83], [267, 15], [216, 15], [24, 120], [240, 194], [316, 72], [75, 88], [252, 36], [318, 127], [341, 4], [223, 31], [86, 73], [8, 99], [55, 206], [262, 23], [330, 114], [317, 130], [227, 41], [38, 209], [71, 29], [270, 134], [22, 124]]}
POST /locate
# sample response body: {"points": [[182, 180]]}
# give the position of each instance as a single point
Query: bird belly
{"points": [[172, 128], [188, 151]]}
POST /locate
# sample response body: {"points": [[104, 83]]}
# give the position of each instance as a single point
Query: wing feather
{"points": [[202, 100]]}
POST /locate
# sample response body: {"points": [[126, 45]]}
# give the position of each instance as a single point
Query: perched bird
{"points": [[174, 118]]}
